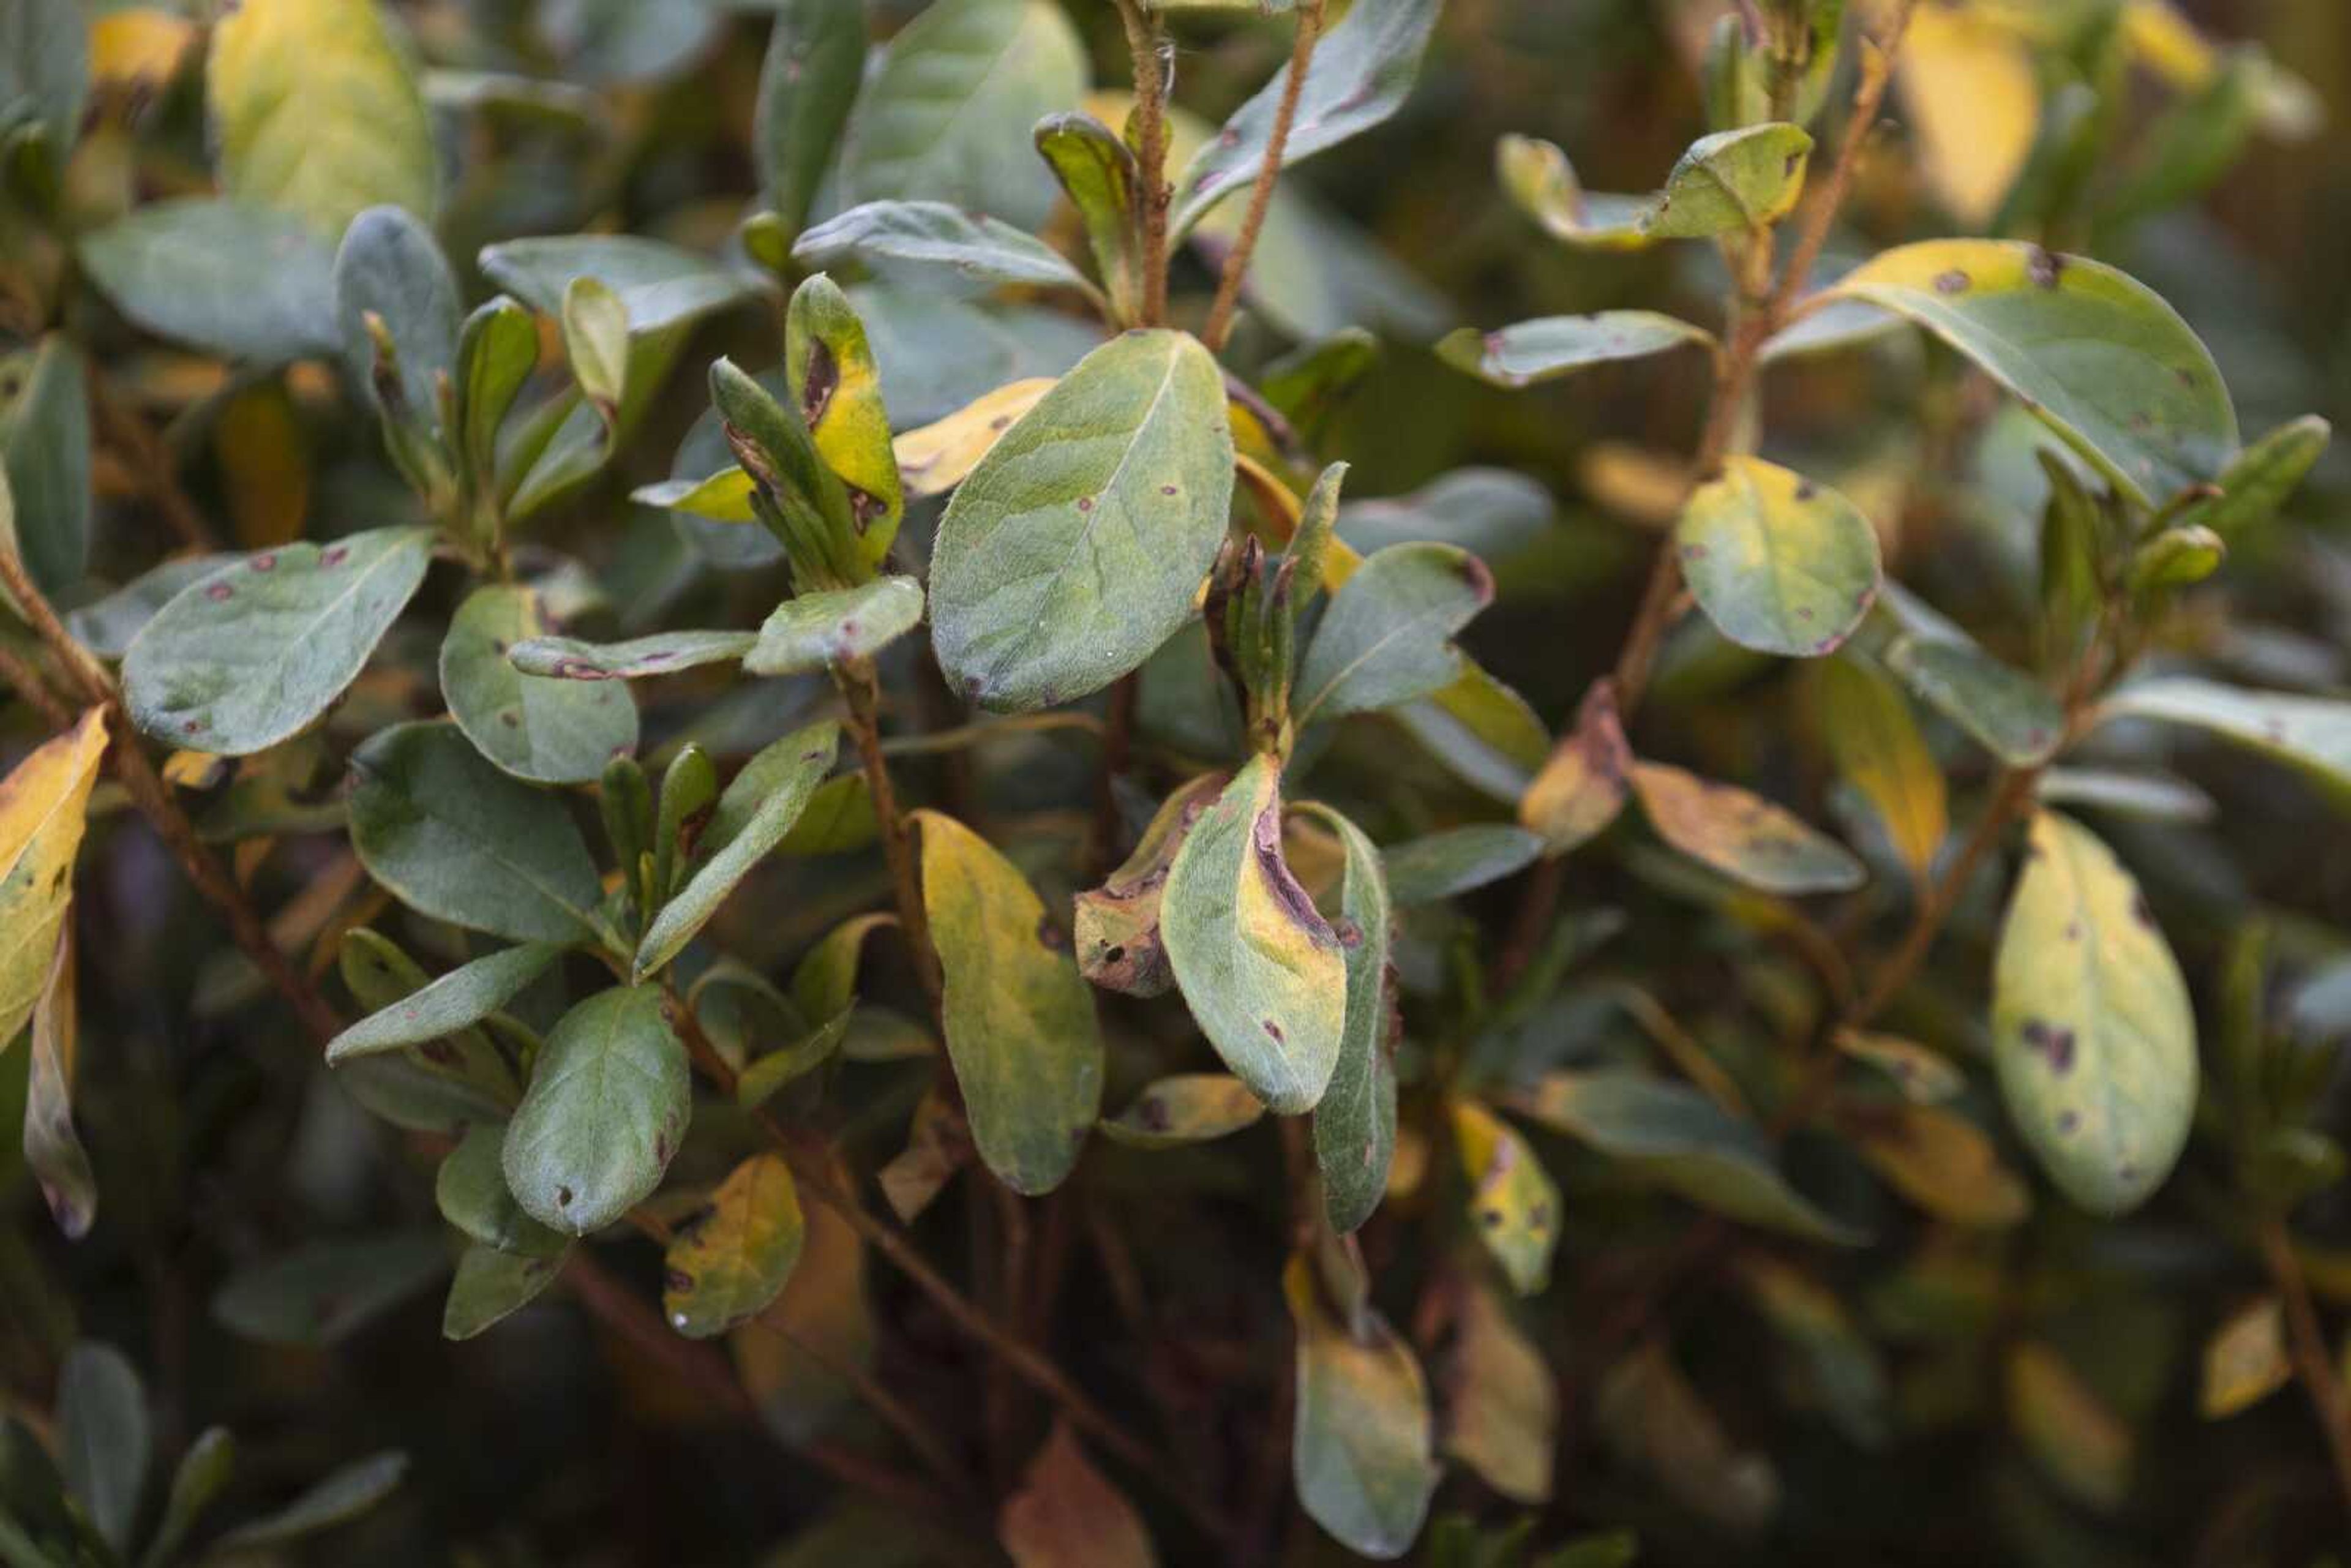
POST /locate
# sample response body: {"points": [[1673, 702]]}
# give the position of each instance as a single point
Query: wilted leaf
{"points": [[1262, 971], [1553, 346], [813, 632], [52, 1150], [544, 730], [1513, 1199], [42, 807], [1743, 836], [1077, 546], [607, 1107], [1387, 637], [1501, 1402], [1779, 563], [1582, 789], [258, 649], [1360, 1454], [2103, 361], [1118, 940], [2092, 1030], [1941, 1162], [1068, 1515], [1019, 1019], [937, 457], [731, 1260], [829, 364]]}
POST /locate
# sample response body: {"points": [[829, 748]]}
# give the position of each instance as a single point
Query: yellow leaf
{"points": [[1974, 105], [2080, 1443], [265, 466], [1581, 789], [1942, 1162], [137, 49], [1514, 1202], [1875, 741], [2245, 1359], [1743, 836], [1502, 1414], [794, 1357], [42, 807], [935, 459], [193, 769]]}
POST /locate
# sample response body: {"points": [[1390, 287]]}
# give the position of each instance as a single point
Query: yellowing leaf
{"points": [[1185, 1108], [1067, 1514], [1119, 945], [831, 370], [1652, 1418], [1875, 742], [1730, 182], [1743, 836], [1502, 1411], [1361, 1449], [2245, 1359], [1580, 791], [265, 466], [42, 807], [138, 49], [728, 1263], [1941, 1162], [935, 458], [317, 114], [792, 1356], [1974, 107], [2082, 1445], [1779, 563], [51, 1148], [1514, 1202], [1924, 1076]]}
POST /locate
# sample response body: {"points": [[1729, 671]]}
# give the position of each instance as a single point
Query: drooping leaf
{"points": [[491, 1286], [322, 1293], [1387, 637], [2094, 354], [1581, 790], [1361, 1450], [1745, 837], [1727, 182], [53, 1151], [1672, 1135], [2011, 714], [1077, 546], [606, 1109], [813, 632], [726, 1264], [316, 112], [1780, 564], [236, 279], [1457, 861], [1356, 1120], [1264, 974], [937, 457], [44, 458], [829, 365], [42, 807], [343, 1496], [1875, 742], [1502, 1413], [1361, 70], [757, 811], [639, 658], [1184, 1108], [971, 246], [1512, 1199], [102, 1436], [1118, 945], [1098, 173], [1067, 1514], [543, 730], [2312, 734], [2092, 1030], [390, 267], [452, 838], [1553, 346], [947, 115], [459, 1001], [816, 57], [256, 651], [1019, 1019]]}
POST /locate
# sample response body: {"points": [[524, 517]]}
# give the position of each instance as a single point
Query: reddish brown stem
{"points": [[1285, 115]]}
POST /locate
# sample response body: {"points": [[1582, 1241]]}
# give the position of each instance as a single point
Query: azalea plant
{"points": [[722, 690]]}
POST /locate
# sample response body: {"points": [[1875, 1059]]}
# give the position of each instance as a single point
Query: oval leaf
{"points": [[43, 806], [1387, 637], [227, 276], [1554, 346], [547, 731], [607, 1107], [1743, 836], [2311, 733], [457, 1000], [1779, 563], [1187, 1108], [1356, 1120], [733, 1257], [1361, 1450], [817, 631]]}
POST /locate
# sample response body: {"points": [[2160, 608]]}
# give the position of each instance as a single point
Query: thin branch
{"points": [[2313, 1364], [1146, 46], [859, 690], [1285, 114], [28, 683], [152, 459]]}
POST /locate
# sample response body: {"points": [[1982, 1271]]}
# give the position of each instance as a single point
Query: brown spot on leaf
{"points": [[219, 592], [2047, 268], [1952, 282]]}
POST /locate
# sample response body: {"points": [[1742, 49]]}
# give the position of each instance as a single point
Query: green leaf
{"points": [[44, 75], [235, 280], [106, 626], [2094, 354], [1078, 545], [1580, 791], [1485, 733], [815, 61], [660, 285], [257, 651], [663, 653], [1730, 182], [1672, 1135], [203, 1473], [607, 1107], [472, 1193], [1513, 1199], [44, 458], [768, 1075], [441, 1085], [1876, 744], [390, 266], [1354, 1122], [342, 1497], [796, 493], [2312, 734], [542, 730], [1446, 864], [102, 1436], [817, 631], [758, 809], [1553, 346], [316, 112], [491, 1286], [689, 795], [1362, 1449], [975, 247], [1387, 638], [1097, 172], [1118, 941], [1743, 836], [1264, 974], [829, 365], [735, 1257], [497, 348], [1021, 1025], [44, 806], [452, 838], [1779, 563], [947, 115], [2092, 1030], [596, 340], [1361, 70], [323, 1294], [459, 1001], [2013, 715], [1185, 1108], [2255, 486]]}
